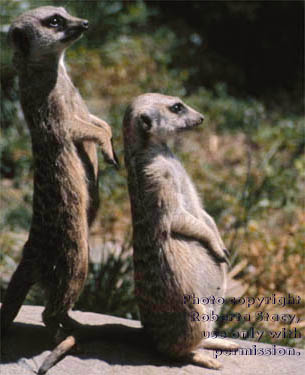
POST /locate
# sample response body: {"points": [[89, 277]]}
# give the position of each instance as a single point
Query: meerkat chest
{"points": [[73, 104], [188, 195]]}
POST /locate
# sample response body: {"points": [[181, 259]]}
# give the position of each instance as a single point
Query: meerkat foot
{"points": [[203, 360], [219, 344], [69, 323]]}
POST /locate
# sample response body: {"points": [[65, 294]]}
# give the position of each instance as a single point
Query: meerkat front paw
{"points": [[219, 251]]}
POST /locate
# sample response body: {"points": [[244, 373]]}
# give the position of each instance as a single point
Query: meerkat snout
{"points": [[85, 24]]}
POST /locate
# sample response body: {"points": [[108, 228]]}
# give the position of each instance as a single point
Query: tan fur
{"points": [[63, 133], [177, 247]]}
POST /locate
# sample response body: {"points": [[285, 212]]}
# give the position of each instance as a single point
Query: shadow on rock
{"points": [[115, 344]]}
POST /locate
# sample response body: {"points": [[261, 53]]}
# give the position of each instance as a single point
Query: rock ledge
{"points": [[28, 343]]}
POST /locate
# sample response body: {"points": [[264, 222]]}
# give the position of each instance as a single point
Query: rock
{"points": [[28, 343]]}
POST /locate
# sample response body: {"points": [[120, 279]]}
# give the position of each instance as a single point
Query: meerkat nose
{"points": [[85, 24], [201, 118]]}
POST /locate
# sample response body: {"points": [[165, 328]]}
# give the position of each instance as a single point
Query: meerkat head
{"points": [[44, 31], [156, 117]]}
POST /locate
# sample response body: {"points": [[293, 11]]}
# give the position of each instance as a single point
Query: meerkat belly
{"points": [[196, 271], [187, 269], [177, 269], [59, 224]]}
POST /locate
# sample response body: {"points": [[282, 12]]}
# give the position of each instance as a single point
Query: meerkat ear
{"points": [[18, 38], [148, 120]]}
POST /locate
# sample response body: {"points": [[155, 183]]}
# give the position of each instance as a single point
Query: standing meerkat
{"points": [[177, 248], [63, 135]]}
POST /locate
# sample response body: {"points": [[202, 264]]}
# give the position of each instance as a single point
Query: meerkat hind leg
{"points": [[218, 343]]}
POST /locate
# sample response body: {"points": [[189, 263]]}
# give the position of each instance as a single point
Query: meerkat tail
{"points": [[15, 295], [57, 354], [203, 360]]}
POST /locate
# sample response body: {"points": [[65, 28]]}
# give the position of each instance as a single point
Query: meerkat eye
{"points": [[177, 108], [56, 21]]}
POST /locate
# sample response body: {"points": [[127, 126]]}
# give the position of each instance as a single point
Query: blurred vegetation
{"points": [[247, 160]]}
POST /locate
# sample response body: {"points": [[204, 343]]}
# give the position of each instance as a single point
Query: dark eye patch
{"points": [[56, 21], [177, 108]]}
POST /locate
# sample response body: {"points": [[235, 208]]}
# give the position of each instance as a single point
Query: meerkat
{"points": [[178, 250], [63, 135]]}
